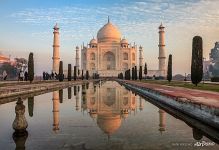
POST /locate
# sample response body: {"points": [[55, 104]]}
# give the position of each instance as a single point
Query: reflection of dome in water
{"points": [[124, 116], [108, 123]]}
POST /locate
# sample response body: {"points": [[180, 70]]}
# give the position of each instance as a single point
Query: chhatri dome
{"points": [[108, 32], [124, 41], [93, 41]]}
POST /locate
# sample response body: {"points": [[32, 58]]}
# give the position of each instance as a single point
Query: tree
{"points": [[69, 93], [30, 67], [140, 73], [121, 75], [78, 72], [129, 74], [169, 69], [82, 74], [136, 73], [69, 72], [197, 58], [60, 71], [145, 70], [75, 72], [30, 106], [10, 70], [87, 75], [21, 63], [61, 96], [133, 73]]}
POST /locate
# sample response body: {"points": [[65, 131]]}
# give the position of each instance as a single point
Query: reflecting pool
{"points": [[101, 115]]}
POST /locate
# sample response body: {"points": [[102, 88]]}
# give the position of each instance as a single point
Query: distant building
{"points": [[6, 59], [108, 55], [206, 66], [214, 61]]}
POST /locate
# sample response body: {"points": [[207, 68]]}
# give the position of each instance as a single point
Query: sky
{"points": [[27, 26]]}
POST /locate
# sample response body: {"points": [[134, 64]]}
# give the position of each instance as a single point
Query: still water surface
{"points": [[96, 116]]}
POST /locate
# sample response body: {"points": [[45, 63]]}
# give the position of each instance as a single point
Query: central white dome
{"points": [[109, 33]]}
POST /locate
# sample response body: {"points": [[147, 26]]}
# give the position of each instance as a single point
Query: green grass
{"points": [[201, 86]]}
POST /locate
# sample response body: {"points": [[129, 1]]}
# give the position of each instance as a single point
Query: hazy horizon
{"points": [[27, 26]]}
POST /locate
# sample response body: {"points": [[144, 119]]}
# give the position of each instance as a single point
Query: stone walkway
{"points": [[17, 88], [207, 98]]}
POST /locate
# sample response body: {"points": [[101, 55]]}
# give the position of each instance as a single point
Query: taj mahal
{"points": [[108, 54]]}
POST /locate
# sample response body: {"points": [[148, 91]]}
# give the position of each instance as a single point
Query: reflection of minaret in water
{"points": [[162, 119], [55, 110], [77, 99], [140, 104]]}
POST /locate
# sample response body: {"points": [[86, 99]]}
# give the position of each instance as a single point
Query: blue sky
{"points": [[26, 25]]}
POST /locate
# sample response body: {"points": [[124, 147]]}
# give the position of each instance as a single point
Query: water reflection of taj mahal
{"points": [[108, 103]]}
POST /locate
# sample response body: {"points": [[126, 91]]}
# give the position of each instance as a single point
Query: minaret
{"points": [[56, 57], [162, 55], [140, 56], [162, 119], [55, 111], [77, 59]]}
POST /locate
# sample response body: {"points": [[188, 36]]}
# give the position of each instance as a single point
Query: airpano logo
{"points": [[204, 143]]}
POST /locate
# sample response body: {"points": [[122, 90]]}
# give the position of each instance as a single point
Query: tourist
{"points": [[25, 76], [21, 76], [44, 75], [52, 75], [4, 75]]}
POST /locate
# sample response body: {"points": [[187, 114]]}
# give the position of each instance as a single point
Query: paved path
{"points": [[14, 89], [207, 98]]}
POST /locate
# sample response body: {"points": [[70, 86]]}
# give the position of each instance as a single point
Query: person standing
{"points": [[22, 76], [4, 75], [25, 76]]}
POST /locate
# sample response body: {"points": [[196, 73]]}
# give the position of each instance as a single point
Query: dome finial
{"points": [[108, 19]]}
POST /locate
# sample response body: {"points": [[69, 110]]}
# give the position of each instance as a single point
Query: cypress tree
{"points": [[60, 71], [82, 74], [78, 72], [61, 96], [87, 75], [145, 69], [75, 90], [169, 69], [136, 73], [69, 93], [140, 73], [30, 106], [197, 64], [87, 85], [31, 67], [69, 72], [129, 74], [133, 73], [75, 72]]}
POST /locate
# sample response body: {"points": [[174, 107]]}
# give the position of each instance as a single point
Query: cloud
{"points": [[86, 19], [137, 20]]}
